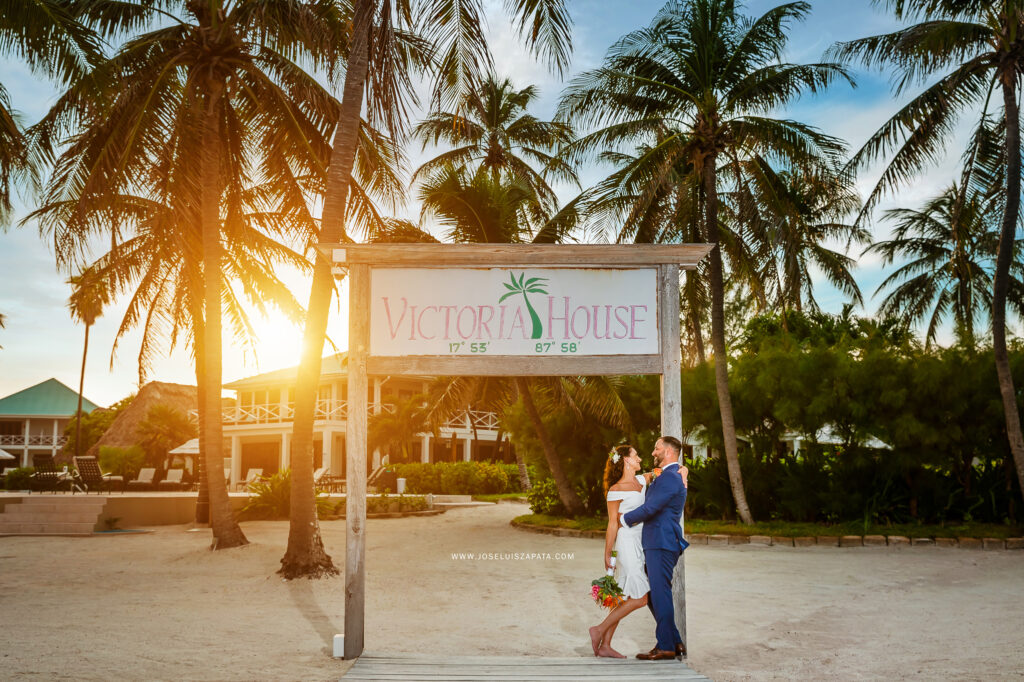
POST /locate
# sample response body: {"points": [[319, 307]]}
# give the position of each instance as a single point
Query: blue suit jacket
{"points": [[661, 511]]}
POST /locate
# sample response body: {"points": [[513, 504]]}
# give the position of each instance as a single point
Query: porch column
{"points": [[328, 450], [236, 461], [467, 448], [25, 460], [425, 449], [53, 446], [286, 455]]}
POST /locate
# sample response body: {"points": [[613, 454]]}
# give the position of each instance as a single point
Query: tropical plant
{"points": [[697, 90], [123, 462], [446, 36], [534, 285], [223, 108], [164, 428], [492, 131], [962, 52], [948, 249], [396, 430], [88, 297]]}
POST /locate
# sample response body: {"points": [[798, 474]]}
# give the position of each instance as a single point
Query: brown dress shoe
{"points": [[656, 654], [680, 650]]}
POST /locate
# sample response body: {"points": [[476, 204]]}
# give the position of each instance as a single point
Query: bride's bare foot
{"points": [[608, 652], [595, 638]]}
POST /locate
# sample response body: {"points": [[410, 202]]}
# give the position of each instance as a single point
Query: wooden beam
{"points": [[494, 255], [514, 365], [671, 403], [355, 472]]}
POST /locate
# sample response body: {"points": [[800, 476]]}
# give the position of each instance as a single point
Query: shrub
{"points": [[19, 478], [271, 498], [544, 498], [124, 462], [458, 478]]}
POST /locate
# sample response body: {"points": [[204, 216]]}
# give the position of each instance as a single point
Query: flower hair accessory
{"points": [[614, 456]]}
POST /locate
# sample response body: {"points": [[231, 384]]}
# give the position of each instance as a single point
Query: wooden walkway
{"points": [[372, 666]]}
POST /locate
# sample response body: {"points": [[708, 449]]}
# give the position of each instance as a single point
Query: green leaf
{"points": [[513, 293]]}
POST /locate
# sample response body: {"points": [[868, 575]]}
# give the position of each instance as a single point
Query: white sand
{"points": [[162, 606]]}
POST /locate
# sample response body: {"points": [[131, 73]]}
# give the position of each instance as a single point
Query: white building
{"points": [[32, 421], [259, 426]]}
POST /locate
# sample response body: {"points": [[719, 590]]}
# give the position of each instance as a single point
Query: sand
{"points": [[161, 606]]}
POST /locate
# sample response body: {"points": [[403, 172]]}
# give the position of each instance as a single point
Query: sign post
{"points": [[503, 310]]}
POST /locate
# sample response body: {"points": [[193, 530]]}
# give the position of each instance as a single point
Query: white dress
{"points": [[629, 562]]}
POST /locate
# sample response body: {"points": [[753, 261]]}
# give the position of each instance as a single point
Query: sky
{"points": [[41, 341]]}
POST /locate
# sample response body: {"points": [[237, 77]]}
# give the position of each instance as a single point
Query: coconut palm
{"points": [[397, 430], [949, 246], [698, 88], [206, 105], [796, 214], [968, 55], [89, 296], [447, 37], [492, 130]]}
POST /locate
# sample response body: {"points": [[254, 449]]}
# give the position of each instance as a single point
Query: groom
{"points": [[663, 543]]}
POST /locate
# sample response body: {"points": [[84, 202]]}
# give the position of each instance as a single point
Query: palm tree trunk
{"points": [[1001, 279], [570, 500], [718, 343], [226, 532], [305, 555], [203, 497], [524, 474], [81, 387]]}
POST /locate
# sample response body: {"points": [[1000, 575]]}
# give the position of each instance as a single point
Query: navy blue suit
{"points": [[663, 542]]}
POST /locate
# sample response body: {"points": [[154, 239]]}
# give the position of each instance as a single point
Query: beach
{"points": [[162, 606]]}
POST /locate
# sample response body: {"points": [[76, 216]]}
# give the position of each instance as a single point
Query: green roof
{"points": [[48, 399]]}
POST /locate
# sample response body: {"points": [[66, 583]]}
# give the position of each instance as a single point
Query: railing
{"points": [[474, 419], [277, 413], [33, 440]]}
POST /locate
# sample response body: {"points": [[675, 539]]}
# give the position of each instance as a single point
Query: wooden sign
{"points": [[513, 311]]}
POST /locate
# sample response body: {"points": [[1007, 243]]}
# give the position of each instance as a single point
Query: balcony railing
{"points": [[33, 441], [277, 413], [336, 410]]}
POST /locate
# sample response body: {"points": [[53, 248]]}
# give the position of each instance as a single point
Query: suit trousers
{"points": [[661, 564]]}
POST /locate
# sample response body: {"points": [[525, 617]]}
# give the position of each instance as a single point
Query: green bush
{"points": [[124, 462], [544, 498], [19, 478], [271, 498], [458, 478]]}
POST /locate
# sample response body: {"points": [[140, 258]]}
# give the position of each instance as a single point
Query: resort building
{"points": [[32, 421], [259, 426]]}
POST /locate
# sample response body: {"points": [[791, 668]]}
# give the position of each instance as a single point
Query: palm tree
{"points": [[396, 430], [89, 295], [204, 104], [446, 37], [963, 52], [950, 246], [163, 428], [493, 131], [796, 214], [697, 88]]}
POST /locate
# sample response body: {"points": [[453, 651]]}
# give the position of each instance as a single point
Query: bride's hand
{"points": [[607, 561], [685, 473]]}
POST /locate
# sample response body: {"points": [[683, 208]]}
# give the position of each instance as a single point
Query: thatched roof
{"points": [[123, 432]]}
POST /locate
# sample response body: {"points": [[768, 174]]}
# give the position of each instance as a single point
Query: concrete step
{"points": [[58, 516], [34, 528], [460, 505], [93, 507]]}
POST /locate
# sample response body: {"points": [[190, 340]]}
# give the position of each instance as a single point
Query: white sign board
{"points": [[513, 311]]}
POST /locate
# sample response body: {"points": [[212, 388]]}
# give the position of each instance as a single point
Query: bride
{"points": [[625, 492]]}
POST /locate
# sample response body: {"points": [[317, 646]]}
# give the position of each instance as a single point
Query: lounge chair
{"points": [[250, 476], [320, 478], [92, 478], [144, 481], [174, 480], [46, 476]]}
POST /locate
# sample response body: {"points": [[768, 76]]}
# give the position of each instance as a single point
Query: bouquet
{"points": [[605, 591]]}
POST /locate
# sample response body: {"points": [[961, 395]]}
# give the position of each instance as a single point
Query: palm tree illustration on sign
{"points": [[534, 285]]}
